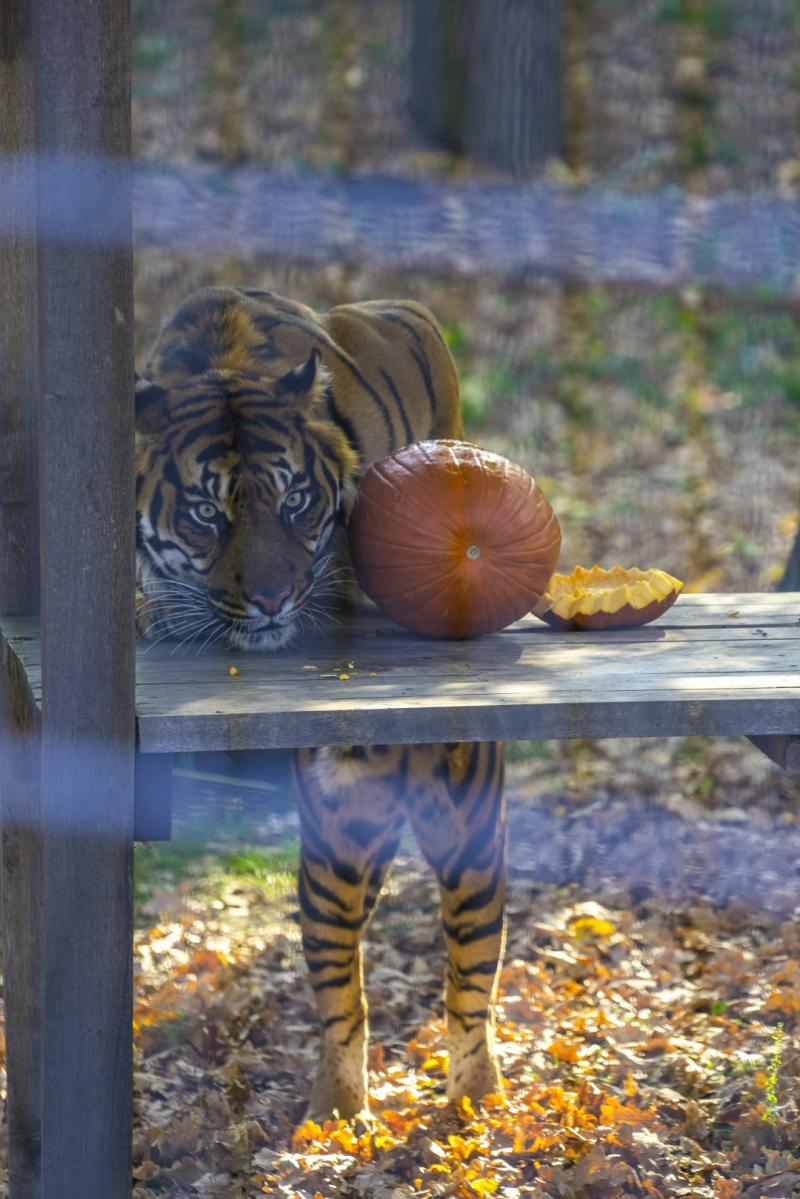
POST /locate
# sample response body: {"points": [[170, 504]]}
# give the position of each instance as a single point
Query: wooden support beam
{"points": [[152, 809], [85, 422], [783, 750], [20, 875]]}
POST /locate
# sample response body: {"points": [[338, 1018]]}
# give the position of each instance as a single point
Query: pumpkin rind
{"points": [[608, 598], [451, 540]]}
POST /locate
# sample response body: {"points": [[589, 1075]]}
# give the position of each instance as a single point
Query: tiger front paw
{"points": [[473, 1076], [339, 1092]]}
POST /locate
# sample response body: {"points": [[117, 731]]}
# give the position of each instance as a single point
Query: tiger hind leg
{"points": [[351, 819], [459, 821]]}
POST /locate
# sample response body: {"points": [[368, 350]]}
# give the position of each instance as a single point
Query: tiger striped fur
{"points": [[255, 421]]}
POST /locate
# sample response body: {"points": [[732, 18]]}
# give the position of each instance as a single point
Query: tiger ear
{"points": [[151, 406], [306, 382]]}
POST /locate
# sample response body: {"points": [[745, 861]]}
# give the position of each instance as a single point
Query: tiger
{"points": [[256, 417]]}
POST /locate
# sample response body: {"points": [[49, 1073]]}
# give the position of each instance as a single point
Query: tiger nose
{"points": [[269, 602]]}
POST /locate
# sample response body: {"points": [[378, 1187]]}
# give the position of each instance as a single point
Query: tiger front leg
{"points": [[350, 823], [459, 821]]}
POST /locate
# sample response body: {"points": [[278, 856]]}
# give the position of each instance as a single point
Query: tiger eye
{"points": [[293, 500], [207, 511]]}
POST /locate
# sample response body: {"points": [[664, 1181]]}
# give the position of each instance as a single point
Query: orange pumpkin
{"points": [[451, 540], [607, 599]]}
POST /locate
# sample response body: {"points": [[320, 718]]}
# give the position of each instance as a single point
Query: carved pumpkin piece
{"points": [[603, 599], [451, 540]]}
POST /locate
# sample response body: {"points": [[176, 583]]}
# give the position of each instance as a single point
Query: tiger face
{"points": [[242, 486]]}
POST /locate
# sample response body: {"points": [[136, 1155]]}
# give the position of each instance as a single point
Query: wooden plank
{"points": [[526, 682], [473, 708], [649, 717], [379, 645], [87, 515], [699, 613], [19, 551], [201, 681], [507, 660]]}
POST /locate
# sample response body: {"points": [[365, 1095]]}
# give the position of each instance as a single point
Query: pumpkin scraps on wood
{"points": [[607, 598], [451, 540]]}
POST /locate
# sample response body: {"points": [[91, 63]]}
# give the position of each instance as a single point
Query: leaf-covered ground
{"points": [[648, 1019]]}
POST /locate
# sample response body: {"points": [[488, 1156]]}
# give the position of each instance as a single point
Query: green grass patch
{"points": [[529, 751], [154, 52], [160, 865], [716, 18]]}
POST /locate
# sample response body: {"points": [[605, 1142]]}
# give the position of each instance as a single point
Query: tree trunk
{"points": [[486, 78]]}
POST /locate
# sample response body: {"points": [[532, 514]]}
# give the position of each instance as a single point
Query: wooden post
{"points": [[87, 529], [68, 783], [19, 588], [791, 574], [19, 549]]}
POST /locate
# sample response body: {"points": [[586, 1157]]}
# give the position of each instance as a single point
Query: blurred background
{"points": [[594, 198]]}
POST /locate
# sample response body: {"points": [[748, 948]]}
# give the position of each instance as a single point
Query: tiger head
{"points": [[242, 484]]}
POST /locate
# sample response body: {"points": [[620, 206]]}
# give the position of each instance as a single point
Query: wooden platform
{"points": [[714, 664]]}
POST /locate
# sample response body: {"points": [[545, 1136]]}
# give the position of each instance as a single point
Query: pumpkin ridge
{"points": [[416, 588], [398, 545], [391, 512], [526, 549], [506, 599], [408, 501], [501, 496], [501, 574]]}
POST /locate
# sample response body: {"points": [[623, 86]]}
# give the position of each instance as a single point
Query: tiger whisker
{"points": [[190, 637], [215, 638], [173, 618], [172, 632], [217, 628], [154, 585], [174, 597], [163, 614]]}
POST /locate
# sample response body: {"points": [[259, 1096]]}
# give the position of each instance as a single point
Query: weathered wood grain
{"points": [[697, 670], [20, 875], [85, 420], [19, 551], [21, 922]]}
